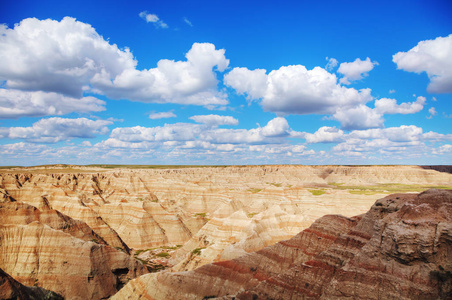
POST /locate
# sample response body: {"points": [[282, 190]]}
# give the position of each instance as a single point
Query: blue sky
{"points": [[232, 82]]}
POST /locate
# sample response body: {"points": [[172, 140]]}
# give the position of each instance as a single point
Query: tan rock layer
{"points": [[229, 277], [46, 248], [217, 213], [400, 249], [18, 213], [142, 209], [36, 254]]}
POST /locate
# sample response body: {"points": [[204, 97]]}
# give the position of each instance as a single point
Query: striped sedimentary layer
{"points": [[400, 249], [45, 248], [142, 209], [233, 276]]}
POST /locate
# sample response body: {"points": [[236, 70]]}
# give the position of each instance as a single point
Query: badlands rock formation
{"points": [[67, 226], [11, 289], [400, 249], [45, 248]]}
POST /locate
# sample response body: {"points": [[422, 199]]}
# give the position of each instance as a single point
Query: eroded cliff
{"points": [[173, 218], [45, 248], [400, 249]]}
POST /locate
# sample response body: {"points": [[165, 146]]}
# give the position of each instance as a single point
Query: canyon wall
{"points": [[121, 222], [400, 249]]}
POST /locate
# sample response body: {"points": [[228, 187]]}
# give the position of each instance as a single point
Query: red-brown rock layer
{"points": [[400, 249], [203, 215], [230, 277]]}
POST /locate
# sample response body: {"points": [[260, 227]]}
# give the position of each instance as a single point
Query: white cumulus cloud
{"points": [[432, 112], [56, 129], [444, 149], [276, 127], [296, 90], [168, 132], [184, 82], [69, 57], [325, 134], [383, 140], [162, 115], [433, 57], [250, 82], [359, 117], [390, 106], [60, 57], [331, 64], [275, 131], [215, 120], [17, 104], [355, 70]]}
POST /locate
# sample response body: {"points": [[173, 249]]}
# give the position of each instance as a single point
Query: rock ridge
{"points": [[400, 249], [46, 249]]}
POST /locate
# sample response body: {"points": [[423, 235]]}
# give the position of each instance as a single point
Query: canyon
{"points": [[400, 249], [236, 231]]}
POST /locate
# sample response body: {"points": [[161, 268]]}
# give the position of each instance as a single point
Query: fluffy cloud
{"points": [[355, 70], [162, 115], [296, 90], [168, 132], [331, 64], [276, 128], [444, 149], [53, 130], [250, 82], [16, 104], [359, 117], [433, 57], [403, 133], [236, 146], [274, 132], [436, 137], [432, 112], [58, 57], [151, 18], [364, 117], [215, 120], [325, 135], [70, 58], [382, 140], [389, 106], [184, 82], [23, 150]]}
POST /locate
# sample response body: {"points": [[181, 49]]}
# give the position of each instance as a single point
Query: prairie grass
{"points": [[163, 254], [386, 188], [317, 192], [251, 215], [197, 251]]}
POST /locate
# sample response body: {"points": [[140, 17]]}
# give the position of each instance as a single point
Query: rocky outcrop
{"points": [[47, 249], [142, 209], [400, 249], [19, 213], [65, 227], [11, 289]]}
